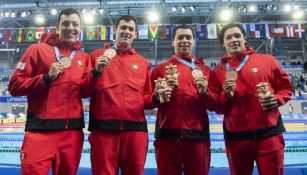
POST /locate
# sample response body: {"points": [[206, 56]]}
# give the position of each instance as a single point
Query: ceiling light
{"points": [[182, 9], [53, 12], [192, 8], [174, 9]]}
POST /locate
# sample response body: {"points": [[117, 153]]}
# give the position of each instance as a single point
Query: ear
{"points": [[136, 35], [173, 43], [245, 40]]}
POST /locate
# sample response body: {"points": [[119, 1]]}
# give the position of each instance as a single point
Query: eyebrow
{"points": [[183, 35]]}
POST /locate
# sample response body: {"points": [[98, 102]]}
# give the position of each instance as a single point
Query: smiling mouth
{"points": [[70, 35]]}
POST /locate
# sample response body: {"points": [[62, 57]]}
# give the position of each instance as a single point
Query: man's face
{"points": [[183, 42], [70, 27], [234, 41], [125, 33]]}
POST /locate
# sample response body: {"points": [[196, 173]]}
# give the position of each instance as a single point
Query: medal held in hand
{"points": [[197, 73], [65, 61], [110, 53], [231, 75]]}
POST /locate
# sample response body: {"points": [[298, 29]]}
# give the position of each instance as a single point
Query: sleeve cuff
{"points": [[96, 74], [155, 100], [47, 80]]}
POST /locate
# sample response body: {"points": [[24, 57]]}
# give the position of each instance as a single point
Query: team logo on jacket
{"points": [[254, 70], [79, 62], [134, 66], [21, 65]]}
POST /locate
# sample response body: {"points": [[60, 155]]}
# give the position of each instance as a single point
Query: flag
{"points": [[201, 32], [219, 28], [277, 30], [110, 33], [30, 35], [153, 30], [9, 35], [212, 31], [90, 32], [101, 33], [51, 30], [290, 30], [257, 30], [1, 35], [39, 32], [299, 31], [20, 35], [143, 32], [165, 32]]}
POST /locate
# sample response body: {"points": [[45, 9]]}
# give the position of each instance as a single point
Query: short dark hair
{"points": [[67, 12], [228, 26], [127, 18], [182, 26]]}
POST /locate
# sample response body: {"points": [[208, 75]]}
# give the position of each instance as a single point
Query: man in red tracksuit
{"points": [[118, 126], [182, 130], [252, 122], [53, 75]]}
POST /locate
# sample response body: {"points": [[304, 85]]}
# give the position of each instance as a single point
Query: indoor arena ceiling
{"points": [[171, 11]]}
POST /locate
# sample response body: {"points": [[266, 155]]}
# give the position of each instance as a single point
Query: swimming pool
{"points": [[11, 136]]}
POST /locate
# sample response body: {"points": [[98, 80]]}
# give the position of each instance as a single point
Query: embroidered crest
{"points": [[134, 66], [79, 62], [254, 70], [21, 65]]}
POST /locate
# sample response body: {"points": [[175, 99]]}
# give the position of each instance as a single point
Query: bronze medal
{"points": [[197, 73], [231, 75], [110, 53], [65, 61]]}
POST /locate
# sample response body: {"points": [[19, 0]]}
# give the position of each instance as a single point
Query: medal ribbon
{"points": [[240, 66], [57, 53], [191, 65]]}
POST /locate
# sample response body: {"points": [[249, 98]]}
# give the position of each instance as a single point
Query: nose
{"points": [[70, 26], [184, 39]]}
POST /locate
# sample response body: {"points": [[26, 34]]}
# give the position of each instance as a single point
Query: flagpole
{"points": [[156, 51]]}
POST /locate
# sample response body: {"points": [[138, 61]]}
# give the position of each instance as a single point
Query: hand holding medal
{"points": [[200, 80], [230, 83], [55, 70], [105, 59]]}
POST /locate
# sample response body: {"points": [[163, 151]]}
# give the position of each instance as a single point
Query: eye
{"points": [[75, 24], [237, 35], [65, 24], [188, 37], [123, 27], [228, 37], [180, 37], [131, 29]]}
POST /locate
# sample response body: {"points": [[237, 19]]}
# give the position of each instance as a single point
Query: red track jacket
{"points": [[122, 94], [244, 117], [56, 105], [185, 116]]}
